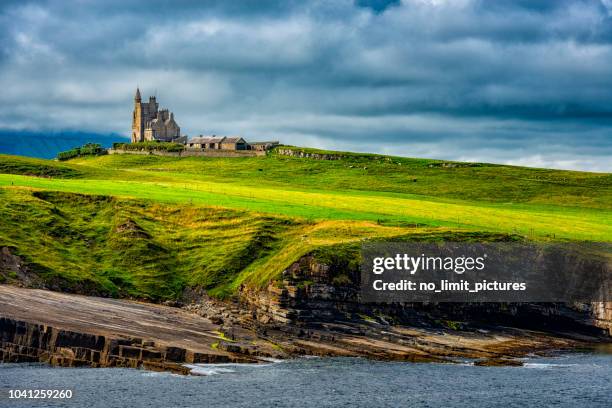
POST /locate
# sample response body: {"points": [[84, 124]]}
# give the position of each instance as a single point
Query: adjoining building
{"points": [[215, 142], [234, 143], [204, 142]]}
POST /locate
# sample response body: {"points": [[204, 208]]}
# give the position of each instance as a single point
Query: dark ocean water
{"points": [[573, 380]]}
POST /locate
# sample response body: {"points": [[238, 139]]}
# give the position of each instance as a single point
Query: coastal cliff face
{"points": [[309, 292], [29, 342], [73, 330], [313, 309], [602, 313]]}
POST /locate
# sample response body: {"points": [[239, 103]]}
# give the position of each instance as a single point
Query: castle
{"points": [[149, 123]]}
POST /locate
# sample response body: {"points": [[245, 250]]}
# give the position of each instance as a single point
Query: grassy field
{"points": [[149, 226]]}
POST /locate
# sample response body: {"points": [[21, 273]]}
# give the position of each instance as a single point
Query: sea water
{"points": [[570, 380]]}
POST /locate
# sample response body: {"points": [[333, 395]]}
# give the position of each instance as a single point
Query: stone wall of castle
{"points": [[162, 127]]}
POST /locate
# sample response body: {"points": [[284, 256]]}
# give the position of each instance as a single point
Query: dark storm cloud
{"points": [[523, 82], [377, 6]]}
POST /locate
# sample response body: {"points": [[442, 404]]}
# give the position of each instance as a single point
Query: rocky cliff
{"points": [[29, 342], [313, 309], [71, 330], [309, 292]]}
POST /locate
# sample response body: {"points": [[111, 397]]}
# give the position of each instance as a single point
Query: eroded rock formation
{"points": [[29, 342], [307, 293]]}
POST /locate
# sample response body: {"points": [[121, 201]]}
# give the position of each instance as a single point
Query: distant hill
{"points": [[46, 145]]}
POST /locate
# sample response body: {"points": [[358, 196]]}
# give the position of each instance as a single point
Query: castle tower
{"points": [[137, 119]]}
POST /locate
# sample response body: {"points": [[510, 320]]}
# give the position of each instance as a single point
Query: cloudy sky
{"points": [[524, 82]]}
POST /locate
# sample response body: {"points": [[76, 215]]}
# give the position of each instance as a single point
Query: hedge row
{"points": [[150, 146], [89, 149]]}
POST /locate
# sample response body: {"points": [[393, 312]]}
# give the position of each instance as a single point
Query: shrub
{"points": [[89, 149], [150, 146]]}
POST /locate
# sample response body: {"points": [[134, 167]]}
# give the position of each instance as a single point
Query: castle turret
{"points": [[137, 119]]}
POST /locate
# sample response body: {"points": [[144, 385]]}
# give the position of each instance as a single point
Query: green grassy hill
{"points": [[149, 226]]}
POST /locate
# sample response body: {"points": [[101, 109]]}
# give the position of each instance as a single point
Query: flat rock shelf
{"points": [[72, 330]]}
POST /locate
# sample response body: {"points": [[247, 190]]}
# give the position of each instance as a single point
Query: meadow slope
{"points": [[149, 226]]}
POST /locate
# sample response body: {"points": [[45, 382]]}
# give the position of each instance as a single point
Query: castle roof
{"points": [[206, 139], [137, 97], [234, 140]]}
